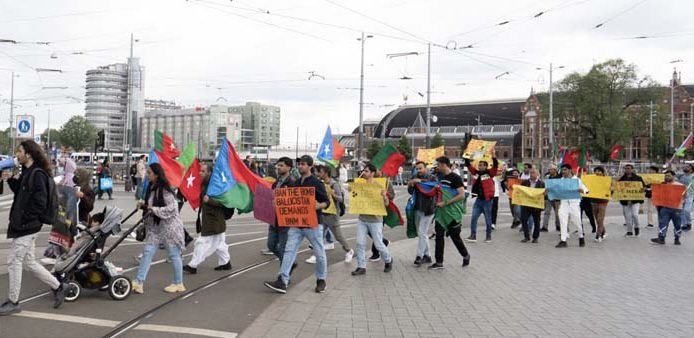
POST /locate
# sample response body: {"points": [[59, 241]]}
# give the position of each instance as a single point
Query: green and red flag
{"points": [[393, 218], [684, 146], [232, 184], [164, 144], [388, 160], [187, 156], [191, 185], [172, 169], [616, 152], [450, 214]]}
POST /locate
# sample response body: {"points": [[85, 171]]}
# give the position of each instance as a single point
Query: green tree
{"points": [[404, 148], [374, 148], [6, 142], [78, 134], [55, 137], [437, 141], [604, 107]]}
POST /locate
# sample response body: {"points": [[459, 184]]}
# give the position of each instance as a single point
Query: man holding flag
{"points": [[483, 186], [424, 208], [687, 179]]}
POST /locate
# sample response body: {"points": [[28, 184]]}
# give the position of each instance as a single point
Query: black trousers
{"points": [[587, 208], [454, 233], [535, 213], [495, 209]]}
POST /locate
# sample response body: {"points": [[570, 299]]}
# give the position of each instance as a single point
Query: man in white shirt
{"points": [[570, 210]]}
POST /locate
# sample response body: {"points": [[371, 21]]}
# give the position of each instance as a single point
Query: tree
{"points": [[55, 137], [373, 149], [78, 134], [6, 142], [604, 107], [437, 141], [404, 148]]}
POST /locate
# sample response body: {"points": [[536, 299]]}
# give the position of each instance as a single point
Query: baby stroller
{"points": [[85, 266]]}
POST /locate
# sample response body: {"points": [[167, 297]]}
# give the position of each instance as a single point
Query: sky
{"points": [[204, 52]]}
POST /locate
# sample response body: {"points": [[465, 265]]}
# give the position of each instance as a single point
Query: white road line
{"points": [[186, 330], [67, 318]]}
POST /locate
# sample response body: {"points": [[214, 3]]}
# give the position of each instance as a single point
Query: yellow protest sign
{"points": [[529, 197], [653, 178], [599, 187], [366, 199], [428, 156], [331, 209], [477, 149], [380, 180], [628, 191]]}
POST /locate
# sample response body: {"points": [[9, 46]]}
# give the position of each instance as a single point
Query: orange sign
{"points": [[668, 195], [510, 182], [296, 207]]}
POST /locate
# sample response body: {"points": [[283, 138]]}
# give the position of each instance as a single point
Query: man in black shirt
{"points": [[453, 181], [423, 212]]}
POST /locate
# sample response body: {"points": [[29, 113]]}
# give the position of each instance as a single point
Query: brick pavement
{"points": [[621, 287]]}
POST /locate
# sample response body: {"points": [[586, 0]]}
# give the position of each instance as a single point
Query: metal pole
{"points": [[12, 134], [428, 95], [361, 102], [48, 141], [551, 112], [672, 114], [128, 119], [297, 142], [650, 128]]}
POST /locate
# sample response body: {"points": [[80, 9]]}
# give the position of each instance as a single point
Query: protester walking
{"points": [[533, 181], [686, 179], [630, 208], [667, 214], [140, 174], [424, 209], [30, 209], [371, 224], [600, 209], [105, 175], [453, 208], [211, 225], [483, 187], [163, 226], [570, 210], [551, 206], [277, 235], [651, 211], [375, 253], [314, 235]]}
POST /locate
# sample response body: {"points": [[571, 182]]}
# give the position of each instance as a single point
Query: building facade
{"points": [[206, 127], [263, 120], [111, 92]]}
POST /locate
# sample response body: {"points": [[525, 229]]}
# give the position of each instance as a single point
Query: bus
{"points": [[85, 157]]}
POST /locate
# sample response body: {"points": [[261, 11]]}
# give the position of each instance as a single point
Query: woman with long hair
{"points": [[163, 226], [104, 173]]}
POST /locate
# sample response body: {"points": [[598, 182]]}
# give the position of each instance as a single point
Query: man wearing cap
{"points": [[314, 235], [551, 205]]}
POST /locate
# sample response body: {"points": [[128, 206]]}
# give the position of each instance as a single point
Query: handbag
{"points": [[106, 183]]}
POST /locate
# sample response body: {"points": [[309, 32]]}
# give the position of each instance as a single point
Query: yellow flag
{"points": [[330, 210], [628, 191], [529, 197], [428, 156], [478, 149], [366, 199], [599, 187], [653, 178]]}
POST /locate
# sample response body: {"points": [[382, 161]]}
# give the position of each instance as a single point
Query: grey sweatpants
{"points": [[23, 255], [332, 222]]}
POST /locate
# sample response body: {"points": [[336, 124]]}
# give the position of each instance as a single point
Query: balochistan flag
{"points": [[187, 156], [616, 152], [191, 186], [330, 151], [684, 146], [232, 184], [164, 144], [450, 214], [393, 218], [388, 160]]}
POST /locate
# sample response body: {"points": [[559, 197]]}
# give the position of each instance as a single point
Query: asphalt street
{"points": [[217, 304]]}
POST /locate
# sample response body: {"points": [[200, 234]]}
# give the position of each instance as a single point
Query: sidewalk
{"points": [[621, 287]]}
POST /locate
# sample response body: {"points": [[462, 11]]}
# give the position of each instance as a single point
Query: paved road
{"points": [[235, 301]]}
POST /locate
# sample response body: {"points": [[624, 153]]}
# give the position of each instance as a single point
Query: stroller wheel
{"points": [[119, 288], [73, 291]]}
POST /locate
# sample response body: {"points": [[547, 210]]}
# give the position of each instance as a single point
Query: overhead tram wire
{"points": [[62, 15], [618, 14], [263, 22]]}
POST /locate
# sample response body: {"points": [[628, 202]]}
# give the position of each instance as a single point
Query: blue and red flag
{"points": [[330, 151]]}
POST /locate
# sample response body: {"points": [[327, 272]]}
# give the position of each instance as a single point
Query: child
{"points": [[94, 225]]}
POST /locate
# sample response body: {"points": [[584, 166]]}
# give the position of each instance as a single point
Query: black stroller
{"points": [[85, 266]]}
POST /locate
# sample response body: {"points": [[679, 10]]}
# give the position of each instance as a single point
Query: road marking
{"points": [[67, 318], [186, 330]]}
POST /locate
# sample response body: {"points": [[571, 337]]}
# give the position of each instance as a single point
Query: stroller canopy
{"points": [[112, 217]]}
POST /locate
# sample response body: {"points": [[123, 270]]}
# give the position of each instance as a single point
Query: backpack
{"points": [[49, 217], [228, 213]]}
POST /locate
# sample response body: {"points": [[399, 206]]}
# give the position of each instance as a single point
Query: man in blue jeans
{"points": [[483, 186], [665, 215], [297, 234], [424, 212], [276, 235]]}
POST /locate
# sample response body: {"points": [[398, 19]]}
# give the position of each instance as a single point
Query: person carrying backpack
{"points": [[30, 210]]}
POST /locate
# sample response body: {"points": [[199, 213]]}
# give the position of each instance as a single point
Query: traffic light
{"points": [[100, 139]]}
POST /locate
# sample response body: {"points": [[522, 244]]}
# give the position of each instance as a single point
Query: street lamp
{"points": [[361, 97], [551, 106]]}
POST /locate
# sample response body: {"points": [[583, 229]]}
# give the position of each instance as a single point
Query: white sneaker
{"points": [[349, 255], [329, 246], [311, 260], [493, 226], [266, 252]]}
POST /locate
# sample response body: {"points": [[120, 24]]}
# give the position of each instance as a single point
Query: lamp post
{"points": [[551, 105], [360, 137]]}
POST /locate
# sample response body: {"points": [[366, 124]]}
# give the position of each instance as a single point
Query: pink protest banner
{"points": [[263, 210]]}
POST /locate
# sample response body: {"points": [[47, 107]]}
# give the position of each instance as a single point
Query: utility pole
{"points": [[128, 120], [551, 111], [48, 138], [12, 134], [428, 95], [672, 113], [650, 131], [360, 138]]}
